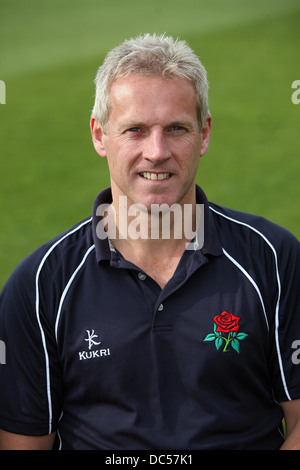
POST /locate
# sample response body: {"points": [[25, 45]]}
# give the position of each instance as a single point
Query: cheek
{"points": [[188, 150], [189, 162], [121, 148], [119, 162]]}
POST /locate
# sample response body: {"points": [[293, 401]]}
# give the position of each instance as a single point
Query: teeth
{"points": [[155, 176]]}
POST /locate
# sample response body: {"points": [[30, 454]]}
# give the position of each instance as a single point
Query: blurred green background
{"points": [[49, 54]]}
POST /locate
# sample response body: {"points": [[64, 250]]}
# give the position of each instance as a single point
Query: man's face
{"points": [[153, 143]]}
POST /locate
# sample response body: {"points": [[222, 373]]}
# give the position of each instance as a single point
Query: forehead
{"points": [[153, 94]]}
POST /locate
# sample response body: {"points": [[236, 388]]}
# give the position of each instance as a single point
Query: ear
{"points": [[97, 136], [206, 131]]}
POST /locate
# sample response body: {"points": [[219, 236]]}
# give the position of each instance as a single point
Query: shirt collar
{"points": [[211, 245]]}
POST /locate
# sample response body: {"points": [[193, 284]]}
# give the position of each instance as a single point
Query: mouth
{"points": [[155, 176]]}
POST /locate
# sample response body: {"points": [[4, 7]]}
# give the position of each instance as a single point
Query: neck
{"points": [[154, 241]]}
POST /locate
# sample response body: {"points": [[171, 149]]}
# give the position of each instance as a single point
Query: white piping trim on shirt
{"points": [[58, 433], [37, 311], [65, 291], [234, 261], [278, 298]]}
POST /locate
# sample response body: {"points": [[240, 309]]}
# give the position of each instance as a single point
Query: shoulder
{"points": [[66, 249], [70, 244], [252, 229]]}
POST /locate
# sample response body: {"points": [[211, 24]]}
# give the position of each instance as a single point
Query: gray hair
{"points": [[150, 55]]}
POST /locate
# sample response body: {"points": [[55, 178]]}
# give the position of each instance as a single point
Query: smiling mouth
{"points": [[155, 176]]}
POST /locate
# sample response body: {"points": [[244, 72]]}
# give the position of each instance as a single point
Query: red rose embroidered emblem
{"points": [[226, 323]]}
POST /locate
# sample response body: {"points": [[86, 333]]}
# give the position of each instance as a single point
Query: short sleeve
{"points": [[286, 369], [30, 382]]}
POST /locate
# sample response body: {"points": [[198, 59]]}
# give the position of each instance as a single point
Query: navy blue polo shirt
{"points": [[99, 353]]}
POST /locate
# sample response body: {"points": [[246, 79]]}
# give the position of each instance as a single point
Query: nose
{"points": [[156, 148]]}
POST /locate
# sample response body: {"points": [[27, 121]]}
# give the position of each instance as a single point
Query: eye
{"points": [[132, 132], [134, 129], [177, 130]]}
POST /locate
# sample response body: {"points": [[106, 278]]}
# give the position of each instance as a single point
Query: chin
{"points": [[158, 201]]}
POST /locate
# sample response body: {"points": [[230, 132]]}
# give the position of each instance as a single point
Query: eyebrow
{"points": [[182, 122]]}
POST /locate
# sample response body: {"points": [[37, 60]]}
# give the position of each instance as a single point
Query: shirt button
{"points": [[161, 307], [141, 276]]}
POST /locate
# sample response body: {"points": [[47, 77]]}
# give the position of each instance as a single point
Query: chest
{"points": [[160, 270], [127, 323]]}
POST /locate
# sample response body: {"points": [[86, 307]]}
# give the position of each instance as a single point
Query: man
{"points": [[119, 339]]}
